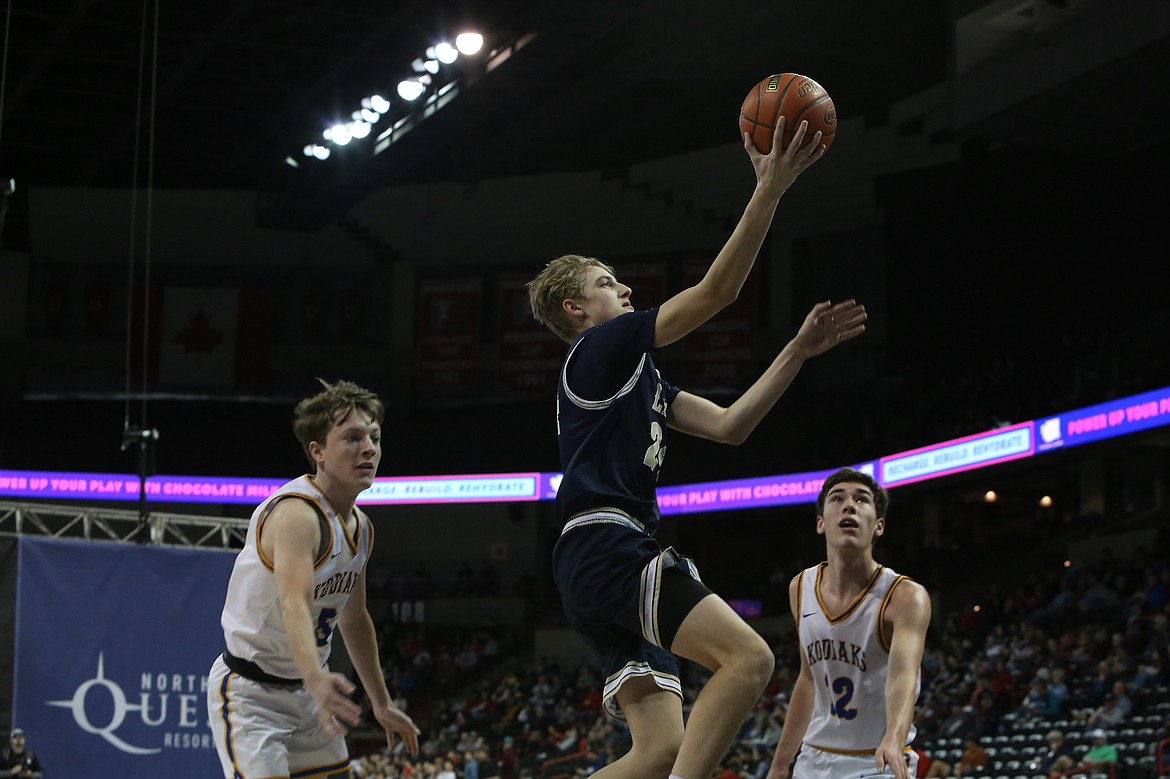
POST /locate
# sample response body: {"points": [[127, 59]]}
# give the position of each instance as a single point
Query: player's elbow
{"points": [[735, 432], [724, 295], [736, 437]]}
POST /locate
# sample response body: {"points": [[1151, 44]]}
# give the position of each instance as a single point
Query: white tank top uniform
{"points": [[848, 655], [252, 624], [263, 719]]}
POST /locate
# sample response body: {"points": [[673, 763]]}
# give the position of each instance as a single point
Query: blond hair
{"points": [[561, 278]]}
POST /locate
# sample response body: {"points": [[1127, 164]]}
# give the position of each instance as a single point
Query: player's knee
{"points": [[758, 661], [659, 756]]}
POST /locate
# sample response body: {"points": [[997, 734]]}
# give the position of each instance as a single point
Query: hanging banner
{"points": [[448, 333], [530, 355], [722, 352], [113, 644], [197, 346]]}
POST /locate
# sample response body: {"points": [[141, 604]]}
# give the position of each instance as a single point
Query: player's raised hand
{"points": [[829, 324], [780, 167]]}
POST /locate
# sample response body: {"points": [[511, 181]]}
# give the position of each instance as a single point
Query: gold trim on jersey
{"points": [[357, 531], [882, 634], [856, 752], [351, 539], [322, 518], [835, 618], [798, 615]]}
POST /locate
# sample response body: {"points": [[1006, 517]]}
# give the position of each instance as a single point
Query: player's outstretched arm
{"points": [[361, 640], [909, 615], [825, 326], [800, 706], [775, 172]]}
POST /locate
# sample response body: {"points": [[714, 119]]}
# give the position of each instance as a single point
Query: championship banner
{"points": [[113, 645], [448, 333], [530, 355], [723, 351]]}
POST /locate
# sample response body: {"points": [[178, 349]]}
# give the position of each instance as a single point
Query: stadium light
{"points": [[410, 89], [375, 107], [376, 103], [359, 129], [469, 42]]}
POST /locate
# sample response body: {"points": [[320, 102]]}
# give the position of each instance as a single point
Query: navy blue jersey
{"points": [[611, 420]]}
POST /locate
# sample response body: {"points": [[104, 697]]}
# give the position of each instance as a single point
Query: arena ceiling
{"points": [[216, 93]]}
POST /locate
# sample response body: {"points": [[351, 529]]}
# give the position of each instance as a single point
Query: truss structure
{"points": [[122, 526]]}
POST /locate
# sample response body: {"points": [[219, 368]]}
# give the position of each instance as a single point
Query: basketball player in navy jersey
{"points": [[275, 708], [639, 605], [862, 629]]}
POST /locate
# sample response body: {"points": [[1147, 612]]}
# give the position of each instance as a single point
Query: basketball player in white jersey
{"points": [[862, 630], [275, 708]]}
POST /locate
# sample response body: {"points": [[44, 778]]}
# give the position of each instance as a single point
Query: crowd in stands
{"points": [[1072, 658]]}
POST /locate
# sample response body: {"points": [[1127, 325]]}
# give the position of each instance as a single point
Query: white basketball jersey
{"points": [[251, 619], [848, 654]]}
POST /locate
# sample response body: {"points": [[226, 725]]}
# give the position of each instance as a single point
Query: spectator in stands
{"points": [[470, 765], [1151, 672], [752, 730], [974, 757], [1061, 606], [448, 771], [488, 767], [727, 769], [1097, 600], [1059, 687], [508, 759], [1109, 714], [1160, 747], [1059, 757], [1040, 702], [16, 760], [986, 716], [1002, 683], [1101, 752], [1022, 655], [1100, 686], [930, 767], [1157, 591]]}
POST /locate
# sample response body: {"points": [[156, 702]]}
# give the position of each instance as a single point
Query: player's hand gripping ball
{"points": [[795, 97]]}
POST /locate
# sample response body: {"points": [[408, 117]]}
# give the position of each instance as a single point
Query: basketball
{"points": [[795, 97]]}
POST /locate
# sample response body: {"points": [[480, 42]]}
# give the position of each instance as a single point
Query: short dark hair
{"points": [[881, 498], [314, 417]]}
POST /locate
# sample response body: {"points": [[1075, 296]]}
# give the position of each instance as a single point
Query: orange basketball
{"points": [[795, 97]]}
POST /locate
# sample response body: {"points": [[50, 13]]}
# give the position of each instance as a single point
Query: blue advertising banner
{"points": [[113, 645]]}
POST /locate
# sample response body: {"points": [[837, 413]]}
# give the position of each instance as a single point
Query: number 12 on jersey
{"points": [[842, 690]]}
